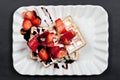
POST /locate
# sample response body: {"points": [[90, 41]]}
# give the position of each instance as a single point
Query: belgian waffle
{"points": [[73, 49]]}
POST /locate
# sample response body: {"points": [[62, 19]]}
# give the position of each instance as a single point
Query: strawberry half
{"points": [[64, 41], [60, 27], [69, 35], [36, 21], [50, 37], [26, 24], [43, 55], [57, 52], [50, 44], [53, 50], [29, 15], [61, 53], [33, 43], [43, 44]]}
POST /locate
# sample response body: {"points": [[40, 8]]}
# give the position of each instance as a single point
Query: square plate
{"points": [[93, 24]]}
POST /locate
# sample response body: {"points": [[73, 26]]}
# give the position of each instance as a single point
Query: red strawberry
{"points": [[29, 15], [54, 49], [69, 35], [58, 22], [43, 54], [57, 52], [36, 21], [61, 53], [50, 37], [60, 27], [33, 43], [50, 44], [27, 24], [43, 44], [64, 41]]}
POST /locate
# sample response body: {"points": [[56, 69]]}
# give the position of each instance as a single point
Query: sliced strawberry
{"points": [[64, 41], [33, 43], [43, 44], [43, 55], [29, 15], [60, 27], [58, 22], [53, 50], [36, 21], [61, 53], [26, 24], [50, 44], [69, 35], [50, 37], [57, 52]]}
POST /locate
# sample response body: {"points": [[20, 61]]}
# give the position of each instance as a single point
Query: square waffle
{"points": [[73, 49]]}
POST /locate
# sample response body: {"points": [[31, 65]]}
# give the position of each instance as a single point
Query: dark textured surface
{"points": [[7, 7]]}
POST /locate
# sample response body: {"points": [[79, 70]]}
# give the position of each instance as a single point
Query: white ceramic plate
{"points": [[93, 23]]}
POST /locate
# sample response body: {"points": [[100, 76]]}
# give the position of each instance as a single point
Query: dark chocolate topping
{"points": [[27, 35], [46, 12], [34, 54], [56, 66]]}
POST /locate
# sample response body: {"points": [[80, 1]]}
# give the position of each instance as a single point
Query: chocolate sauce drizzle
{"points": [[48, 61], [67, 61], [46, 12], [46, 23], [34, 54], [36, 15], [65, 67], [34, 33], [70, 61], [43, 30], [27, 35], [56, 65]]}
